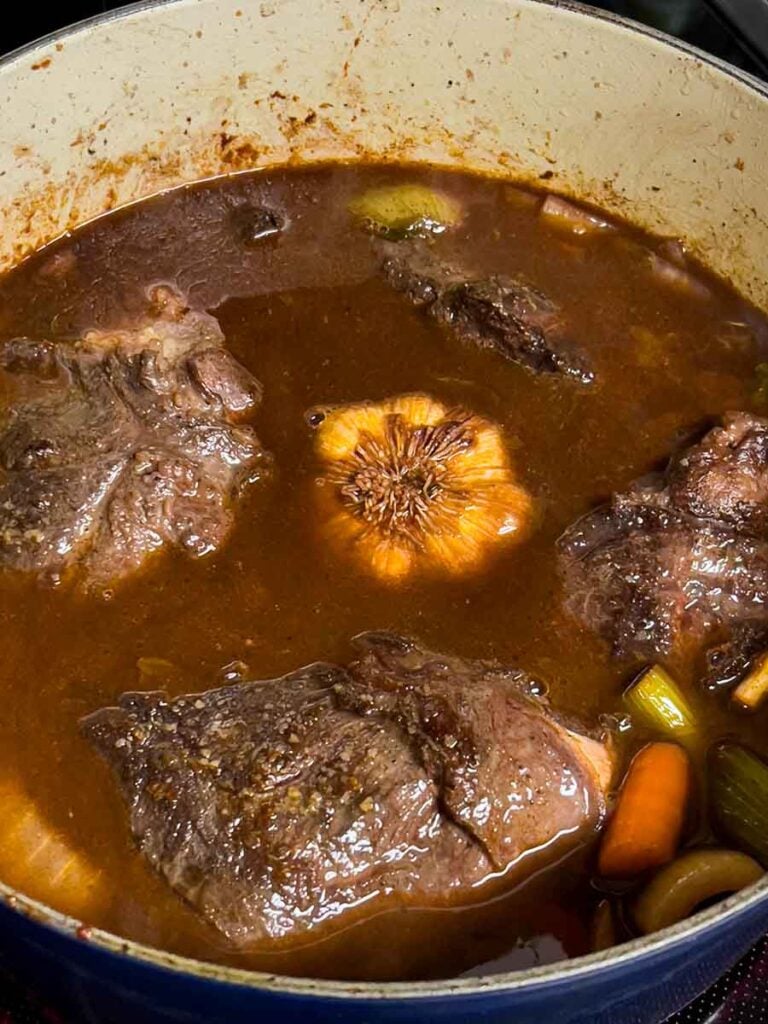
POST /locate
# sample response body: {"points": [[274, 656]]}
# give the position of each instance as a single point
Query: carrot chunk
{"points": [[644, 831]]}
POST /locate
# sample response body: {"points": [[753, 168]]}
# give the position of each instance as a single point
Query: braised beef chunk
{"points": [[725, 476], [121, 443], [498, 313], [680, 553], [728, 662], [507, 772], [275, 806]]}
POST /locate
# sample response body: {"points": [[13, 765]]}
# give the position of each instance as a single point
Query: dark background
{"points": [[692, 20]]}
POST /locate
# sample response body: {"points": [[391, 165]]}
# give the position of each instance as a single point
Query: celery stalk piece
{"points": [[739, 797], [402, 211], [657, 702]]}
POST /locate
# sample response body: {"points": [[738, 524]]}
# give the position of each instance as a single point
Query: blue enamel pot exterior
{"points": [[119, 107], [638, 984]]}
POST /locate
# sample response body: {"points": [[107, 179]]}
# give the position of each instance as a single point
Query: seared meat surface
{"points": [[121, 443], [725, 477], [499, 313], [681, 552], [728, 662], [275, 806]]}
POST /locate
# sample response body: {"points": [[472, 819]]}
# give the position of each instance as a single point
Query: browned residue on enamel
{"points": [[97, 185], [320, 132], [44, 63]]}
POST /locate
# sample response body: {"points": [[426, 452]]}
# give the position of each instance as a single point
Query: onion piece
{"points": [[677, 277], [693, 879], [576, 219], [737, 335], [602, 932], [39, 858], [673, 250], [753, 688]]}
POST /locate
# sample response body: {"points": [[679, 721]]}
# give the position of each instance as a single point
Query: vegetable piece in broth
{"points": [[412, 486], [644, 831], [405, 211], [657, 700], [739, 797]]}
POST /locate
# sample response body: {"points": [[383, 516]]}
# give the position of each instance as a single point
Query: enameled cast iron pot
{"points": [[165, 93]]}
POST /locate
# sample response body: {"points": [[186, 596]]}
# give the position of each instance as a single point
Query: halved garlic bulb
{"points": [[409, 485]]}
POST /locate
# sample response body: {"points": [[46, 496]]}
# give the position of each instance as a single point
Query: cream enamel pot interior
{"points": [[161, 94]]}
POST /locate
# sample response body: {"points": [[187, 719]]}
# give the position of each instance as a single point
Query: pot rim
{"points": [[510, 981]]}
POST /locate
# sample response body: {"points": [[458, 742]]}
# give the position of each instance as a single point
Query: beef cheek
{"points": [[121, 443], [278, 807], [681, 553], [502, 314]]}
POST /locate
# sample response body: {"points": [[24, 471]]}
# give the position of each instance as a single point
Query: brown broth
{"points": [[309, 317]]}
